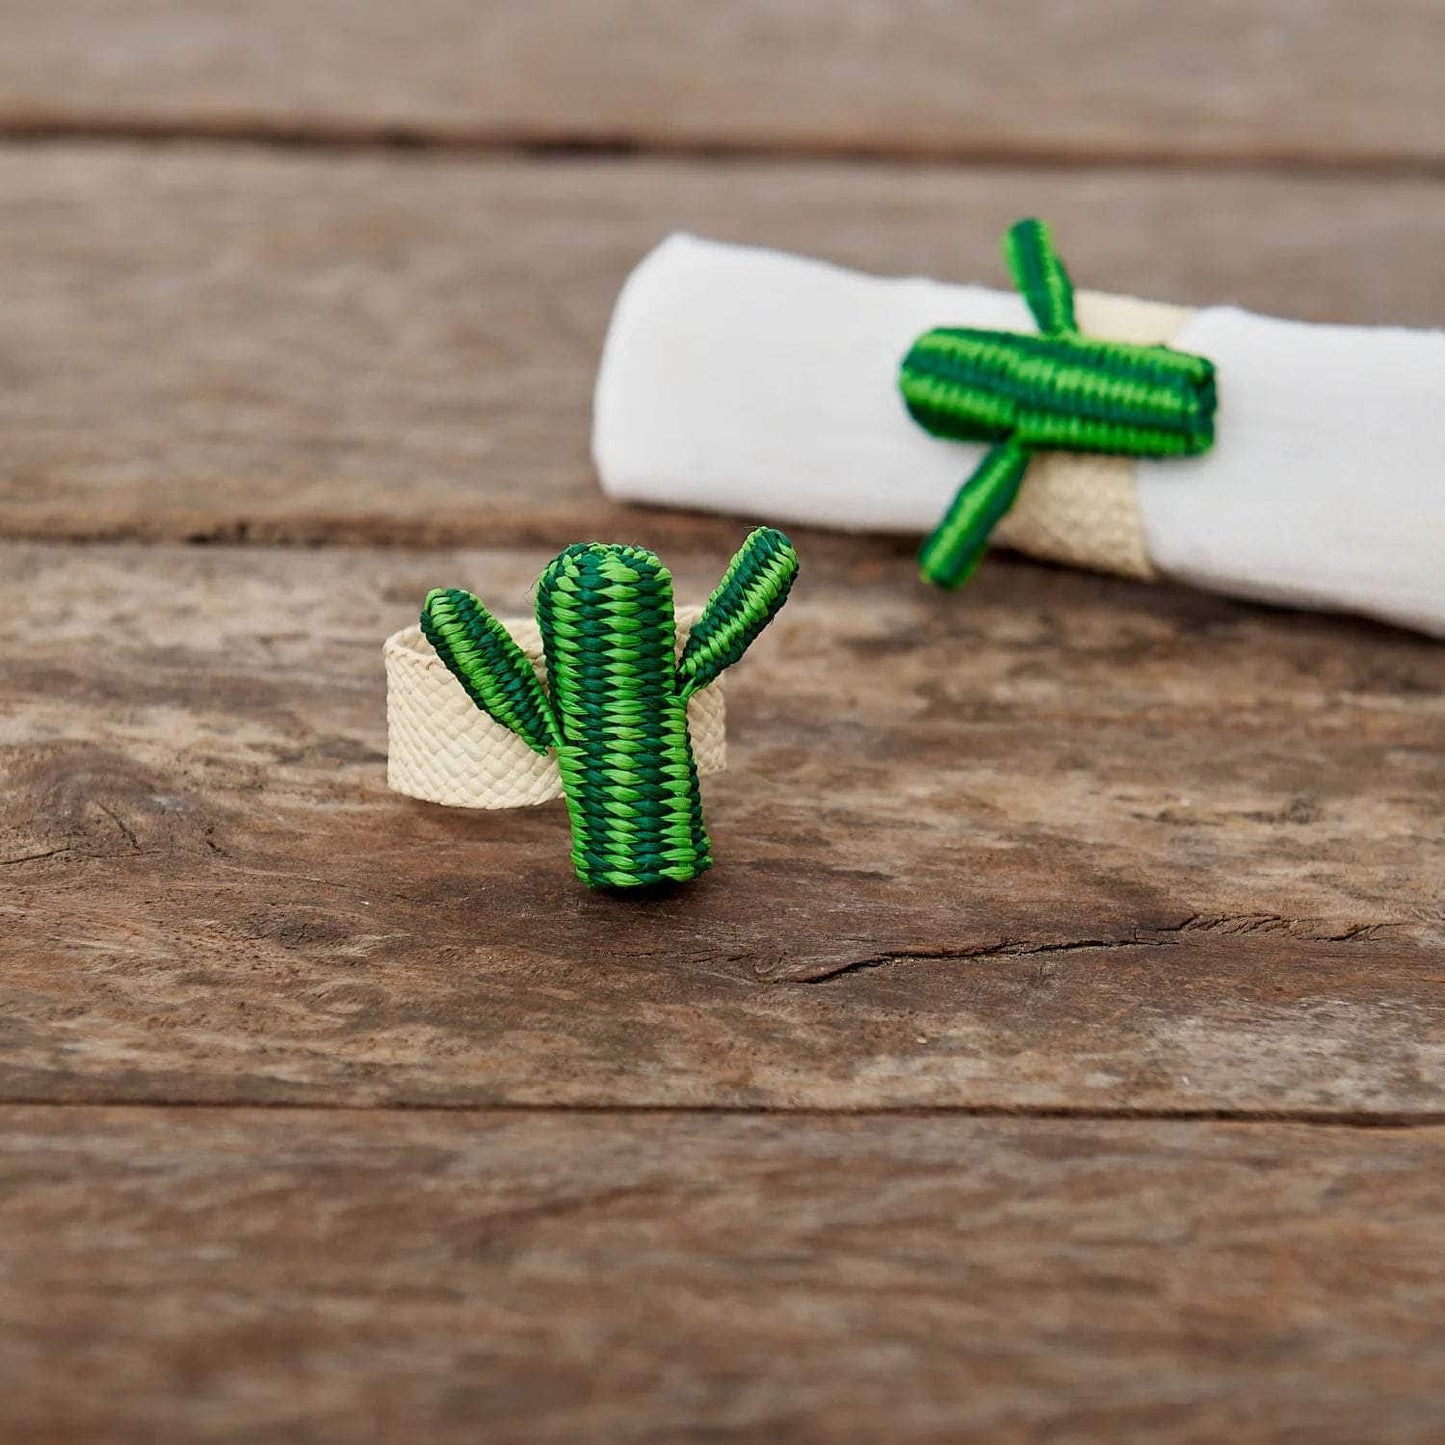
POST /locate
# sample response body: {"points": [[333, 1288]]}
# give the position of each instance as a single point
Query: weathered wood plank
{"points": [[298, 347], [1331, 81], [1067, 843], [222, 1274]]}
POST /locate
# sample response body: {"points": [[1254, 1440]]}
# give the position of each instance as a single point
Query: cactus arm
{"points": [[754, 587], [482, 655], [952, 552], [1041, 277]]}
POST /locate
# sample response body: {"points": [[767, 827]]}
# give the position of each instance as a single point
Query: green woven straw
{"points": [[1059, 391], [615, 706]]}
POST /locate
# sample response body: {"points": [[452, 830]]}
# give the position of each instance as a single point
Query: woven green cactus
{"points": [[614, 710], [1058, 392]]}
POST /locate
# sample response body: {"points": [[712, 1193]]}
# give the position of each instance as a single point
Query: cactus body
{"points": [[606, 615], [615, 707], [1059, 391]]}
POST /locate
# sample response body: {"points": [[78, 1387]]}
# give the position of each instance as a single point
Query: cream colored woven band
{"points": [[1083, 509], [442, 748]]}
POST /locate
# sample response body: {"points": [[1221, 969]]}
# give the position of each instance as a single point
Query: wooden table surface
{"points": [[1057, 1051]]}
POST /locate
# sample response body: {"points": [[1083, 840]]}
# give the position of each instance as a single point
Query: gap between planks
{"points": [[401, 138], [1337, 1119]]}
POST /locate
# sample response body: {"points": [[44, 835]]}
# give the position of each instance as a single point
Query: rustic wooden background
{"points": [[1057, 1050]]}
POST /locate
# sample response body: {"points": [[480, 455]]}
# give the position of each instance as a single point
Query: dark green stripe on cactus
{"points": [[615, 709], [1057, 392]]}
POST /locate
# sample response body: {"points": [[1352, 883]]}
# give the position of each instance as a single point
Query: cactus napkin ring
{"points": [[1061, 391], [612, 727]]}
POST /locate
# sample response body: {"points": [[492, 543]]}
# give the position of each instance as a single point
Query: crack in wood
{"points": [[1159, 937], [126, 831], [1308, 929], [35, 857], [1006, 948]]}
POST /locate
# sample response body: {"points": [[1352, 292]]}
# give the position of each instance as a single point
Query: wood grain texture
{"points": [[1064, 844], [245, 344], [1330, 81], [1077, 864], [288, 1275]]}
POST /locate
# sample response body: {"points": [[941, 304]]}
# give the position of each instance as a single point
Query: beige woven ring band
{"points": [[1083, 509], [442, 748]]}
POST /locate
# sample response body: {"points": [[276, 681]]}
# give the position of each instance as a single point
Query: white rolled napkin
{"points": [[742, 380]]}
